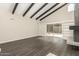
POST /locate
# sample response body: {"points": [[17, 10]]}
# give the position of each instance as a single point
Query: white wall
{"points": [[13, 27], [65, 18]]}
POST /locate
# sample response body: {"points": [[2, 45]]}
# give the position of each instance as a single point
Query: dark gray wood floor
{"points": [[39, 46]]}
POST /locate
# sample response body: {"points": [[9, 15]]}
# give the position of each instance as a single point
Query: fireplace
{"points": [[76, 32], [76, 19]]}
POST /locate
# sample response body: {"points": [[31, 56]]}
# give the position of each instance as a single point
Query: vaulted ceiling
{"points": [[37, 11]]}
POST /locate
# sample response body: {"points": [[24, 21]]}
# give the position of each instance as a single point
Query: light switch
{"points": [[0, 49]]}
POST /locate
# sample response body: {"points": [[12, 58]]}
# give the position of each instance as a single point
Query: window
{"points": [[54, 28], [71, 7]]}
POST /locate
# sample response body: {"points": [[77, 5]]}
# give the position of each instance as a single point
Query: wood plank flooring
{"points": [[38, 46]]}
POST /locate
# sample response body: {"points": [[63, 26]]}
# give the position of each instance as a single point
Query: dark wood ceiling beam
{"points": [[53, 11], [39, 10], [14, 9], [28, 9], [47, 10]]}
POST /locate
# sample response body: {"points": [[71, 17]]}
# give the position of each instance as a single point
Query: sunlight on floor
{"points": [[51, 54], [56, 35]]}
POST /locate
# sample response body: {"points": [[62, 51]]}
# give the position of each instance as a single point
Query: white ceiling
{"points": [[52, 9], [22, 7]]}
